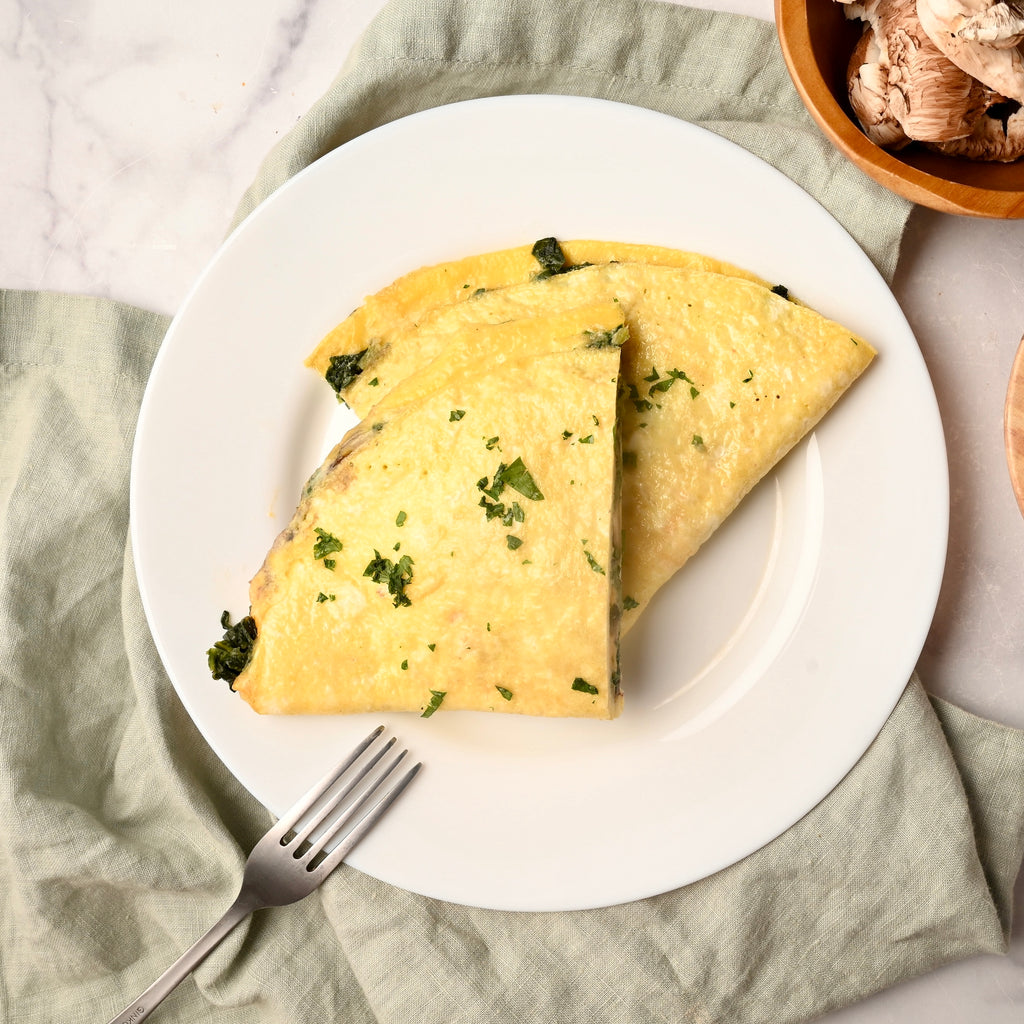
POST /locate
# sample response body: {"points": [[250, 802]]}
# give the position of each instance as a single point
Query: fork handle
{"points": [[139, 1009]]}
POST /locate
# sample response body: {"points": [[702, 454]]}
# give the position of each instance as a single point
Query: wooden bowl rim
{"points": [[914, 184]]}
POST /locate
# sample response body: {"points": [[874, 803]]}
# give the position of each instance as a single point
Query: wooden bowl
{"points": [[1013, 426], [817, 40]]}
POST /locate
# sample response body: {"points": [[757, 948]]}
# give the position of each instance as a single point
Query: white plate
{"points": [[760, 674]]}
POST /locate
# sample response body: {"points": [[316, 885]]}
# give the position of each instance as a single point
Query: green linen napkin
{"points": [[123, 836]]}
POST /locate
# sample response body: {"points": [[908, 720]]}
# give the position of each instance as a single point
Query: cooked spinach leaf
{"points": [[229, 655], [548, 253], [343, 370]]}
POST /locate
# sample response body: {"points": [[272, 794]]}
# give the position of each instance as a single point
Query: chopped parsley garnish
{"points": [[326, 544], [436, 697], [589, 439], [548, 253], [491, 442], [517, 476], [455, 415], [330, 563], [781, 290], [506, 693], [582, 686], [593, 562], [405, 665], [430, 647], [629, 603], [343, 370], [397, 576], [400, 519], [372, 383], [640, 404], [229, 655], [749, 377], [566, 434], [322, 597], [662, 384], [698, 441]]}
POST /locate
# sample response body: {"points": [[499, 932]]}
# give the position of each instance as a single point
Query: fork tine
{"points": [[387, 790], [335, 800], [301, 807]]}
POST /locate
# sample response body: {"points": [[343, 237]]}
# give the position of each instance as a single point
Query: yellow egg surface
{"points": [[458, 551], [407, 300]]}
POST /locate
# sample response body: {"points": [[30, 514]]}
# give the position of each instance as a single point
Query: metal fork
{"points": [[296, 855]]}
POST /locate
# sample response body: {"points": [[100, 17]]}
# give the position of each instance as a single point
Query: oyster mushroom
{"points": [[901, 85], [982, 38]]}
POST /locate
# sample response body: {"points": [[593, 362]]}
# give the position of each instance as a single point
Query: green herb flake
{"points": [[589, 439], [640, 404], [436, 697], [594, 564], [582, 686], [566, 434], [343, 370], [513, 542], [229, 655], [698, 441], [455, 415], [405, 665], [749, 377], [629, 603], [372, 383], [401, 518], [506, 693], [518, 477], [397, 576], [330, 563], [430, 647], [326, 544], [322, 597], [781, 290], [491, 443]]}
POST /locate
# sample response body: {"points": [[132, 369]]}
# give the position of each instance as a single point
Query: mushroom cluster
{"points": [[948, 74]]}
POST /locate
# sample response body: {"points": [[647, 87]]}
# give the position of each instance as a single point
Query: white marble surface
{"points": [[131, 130]]}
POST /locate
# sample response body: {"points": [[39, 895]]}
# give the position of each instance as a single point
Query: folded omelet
{"points": [[364, 338], [459, 548], [722, 375]]}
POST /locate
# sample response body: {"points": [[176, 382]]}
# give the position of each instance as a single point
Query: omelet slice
{"points": [[721, 379], [457, 550], [357, 342]]}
